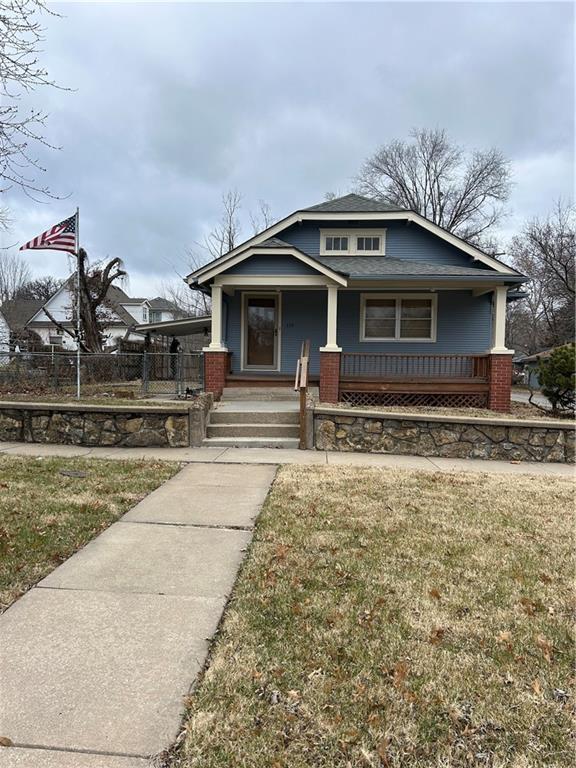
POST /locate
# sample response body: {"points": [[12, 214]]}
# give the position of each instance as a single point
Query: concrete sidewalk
{"points": [[289, 456], [96, 660]]}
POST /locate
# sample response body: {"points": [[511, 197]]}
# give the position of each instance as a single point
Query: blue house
{"points": [[397, 310]]}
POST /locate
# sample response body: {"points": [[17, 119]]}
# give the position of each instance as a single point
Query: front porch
{"points": [[258, 327]]}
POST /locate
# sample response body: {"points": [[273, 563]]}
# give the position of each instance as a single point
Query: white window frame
{"points": [[432, 297], [352, 235]]}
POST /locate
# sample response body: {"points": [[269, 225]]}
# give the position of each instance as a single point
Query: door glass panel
{"points": [[261, 331]]}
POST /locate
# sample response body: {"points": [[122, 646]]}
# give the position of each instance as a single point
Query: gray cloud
{"points": [[175, 103]]}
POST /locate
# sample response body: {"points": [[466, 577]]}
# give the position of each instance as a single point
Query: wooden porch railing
{"points": [[383, 366], [301, 385]]}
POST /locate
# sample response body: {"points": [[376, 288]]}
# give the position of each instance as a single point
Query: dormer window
{"points": [[336, 244], [368, 245], [341, 242]]}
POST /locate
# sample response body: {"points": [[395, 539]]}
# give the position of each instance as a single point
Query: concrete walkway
{"points": [[95, 661], [288, 456]]}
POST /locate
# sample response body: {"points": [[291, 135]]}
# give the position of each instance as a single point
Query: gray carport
{"points": [[193, 333]]}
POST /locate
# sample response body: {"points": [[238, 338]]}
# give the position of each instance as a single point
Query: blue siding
{"points": [[403, 241], [270, 264], [464, 326]]}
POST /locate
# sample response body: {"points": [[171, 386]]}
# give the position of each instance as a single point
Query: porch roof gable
{"points": [[281, 248]]}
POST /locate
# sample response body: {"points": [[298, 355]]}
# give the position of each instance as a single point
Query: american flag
{"points": [[60, 237]]}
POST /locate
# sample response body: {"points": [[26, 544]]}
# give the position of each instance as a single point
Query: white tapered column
{"points": [[216, 344], [332, 322], [499, 322]]}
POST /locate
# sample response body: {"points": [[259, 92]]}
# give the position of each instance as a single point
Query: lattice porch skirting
{"points": [[448, 400]]}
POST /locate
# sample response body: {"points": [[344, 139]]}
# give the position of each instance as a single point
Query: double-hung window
{"points": [[399, 317]]}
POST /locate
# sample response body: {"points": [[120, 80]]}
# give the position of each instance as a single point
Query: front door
{"points": [[261, 331]]}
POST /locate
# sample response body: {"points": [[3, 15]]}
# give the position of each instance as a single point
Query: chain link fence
{"points": [[142, 374]]}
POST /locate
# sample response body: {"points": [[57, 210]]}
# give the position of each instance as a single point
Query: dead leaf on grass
{"points": [[434, 593], [536, 687], [545, 646], [436, 635], [528, 606]]}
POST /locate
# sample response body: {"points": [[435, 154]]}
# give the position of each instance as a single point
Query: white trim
{"points": [[277, 338], [271, 281], [278, 251], [433, 297], [332, 322], [352, 235], [299, 216], [499, 322], [216, 326]]}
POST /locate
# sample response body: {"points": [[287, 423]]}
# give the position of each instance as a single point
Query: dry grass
{"points": [[523, 411], [395, 618], [46, 516]]}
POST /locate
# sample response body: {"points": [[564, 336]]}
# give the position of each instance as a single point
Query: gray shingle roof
{"points": [[274, 242], [353, 204], [17, 312], [384, 266]]}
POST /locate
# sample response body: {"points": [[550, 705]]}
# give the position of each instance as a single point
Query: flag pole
{"points": [[78, 323]]}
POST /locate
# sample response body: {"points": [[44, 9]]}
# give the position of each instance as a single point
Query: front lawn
{"points": [[395, 618], [49, 508]]}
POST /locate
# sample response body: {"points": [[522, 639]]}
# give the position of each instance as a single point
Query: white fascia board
{"points": [[299, 216], [284, 281], [239, 257]]}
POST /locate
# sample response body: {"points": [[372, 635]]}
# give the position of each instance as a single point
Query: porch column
{"points": [[215, 354], [216, 335], [500, 377], [330, 354], [499, 322]]}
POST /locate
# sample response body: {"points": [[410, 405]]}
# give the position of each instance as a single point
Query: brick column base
{"points": [[500, 382], [215, 370], [329, 377]]}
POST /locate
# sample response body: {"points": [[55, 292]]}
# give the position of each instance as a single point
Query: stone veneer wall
{"points": [[341, 429], [128, 426]]}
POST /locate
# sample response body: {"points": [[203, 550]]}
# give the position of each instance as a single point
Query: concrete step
{"points": [[252, 430], [259, 393], [254, 417], [250, 442]]}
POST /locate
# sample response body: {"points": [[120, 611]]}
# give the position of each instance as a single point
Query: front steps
{"points": [[254, 422]]}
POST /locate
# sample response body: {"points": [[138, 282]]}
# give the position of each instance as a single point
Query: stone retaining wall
{"points": [[342, 429], [80, 424]]}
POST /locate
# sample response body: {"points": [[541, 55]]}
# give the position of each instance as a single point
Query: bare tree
{"points": [[261, 218], [14, 274], [225, 235], [546, 251], [462, 192], [95, 310], [189, 302], [42, 288], [20, 73]]}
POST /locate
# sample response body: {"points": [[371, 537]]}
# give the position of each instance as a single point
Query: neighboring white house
{"points": [[124, 313]]}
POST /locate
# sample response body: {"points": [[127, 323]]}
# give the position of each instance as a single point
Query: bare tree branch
{"points": [[431, 175], [14, 274], [21, 128]]}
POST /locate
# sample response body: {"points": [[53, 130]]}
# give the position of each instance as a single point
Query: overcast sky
{"points": [[173, 104]]}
